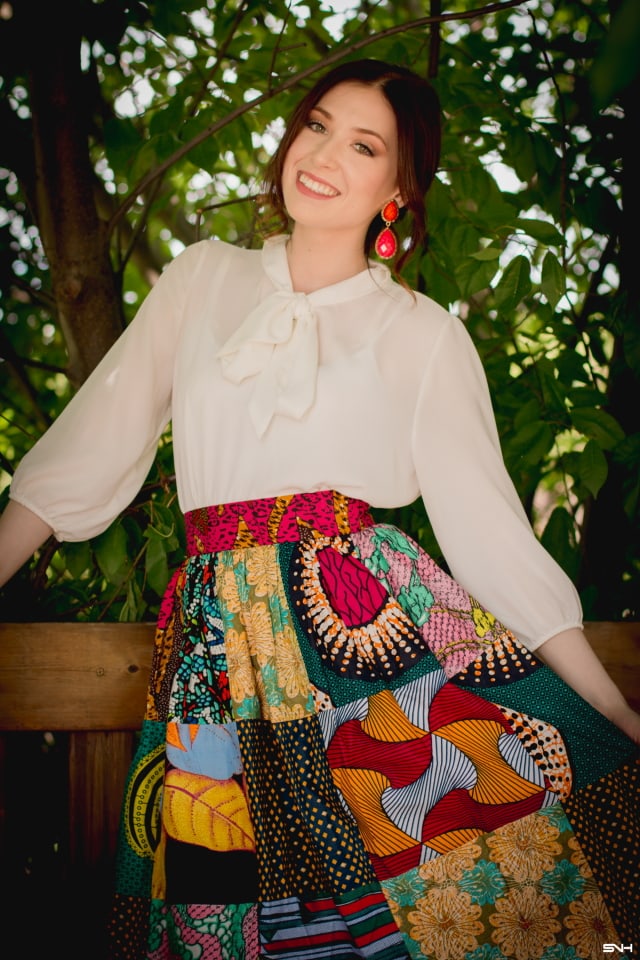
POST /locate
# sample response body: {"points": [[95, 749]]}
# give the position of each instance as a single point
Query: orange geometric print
{"points": [[396, 777]]}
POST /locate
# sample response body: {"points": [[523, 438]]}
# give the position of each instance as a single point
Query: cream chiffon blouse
{"points": [[358, 387]]}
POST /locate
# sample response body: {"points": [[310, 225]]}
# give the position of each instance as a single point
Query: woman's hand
{"points": [[572, 657], [629, 722]]}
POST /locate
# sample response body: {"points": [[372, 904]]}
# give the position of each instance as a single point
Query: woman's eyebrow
{"points": [[363, 130]]}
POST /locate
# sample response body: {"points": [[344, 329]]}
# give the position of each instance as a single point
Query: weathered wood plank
{"points": [[618, 647], [74, 676], [98, 765]]}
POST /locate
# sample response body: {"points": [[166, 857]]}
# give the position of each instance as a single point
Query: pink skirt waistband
{"points": [[251, 523]]}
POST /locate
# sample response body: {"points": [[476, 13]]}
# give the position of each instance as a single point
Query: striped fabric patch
{"points": [[359, 925]]}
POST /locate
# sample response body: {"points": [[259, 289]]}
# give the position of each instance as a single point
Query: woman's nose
{"points": [[325, 151]]}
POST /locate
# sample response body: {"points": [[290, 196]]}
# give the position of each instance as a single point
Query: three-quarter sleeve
{"points": [[477, 516], [94, 458]]}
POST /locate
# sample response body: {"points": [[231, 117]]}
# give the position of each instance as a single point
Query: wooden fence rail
{"points": [[85, 685]]}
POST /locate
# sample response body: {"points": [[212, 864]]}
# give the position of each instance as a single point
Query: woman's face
{"points": [[342, 167]]}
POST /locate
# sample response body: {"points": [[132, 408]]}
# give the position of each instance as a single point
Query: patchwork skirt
{"points": [[344, 755]]}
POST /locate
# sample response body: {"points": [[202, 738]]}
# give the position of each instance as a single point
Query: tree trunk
{"points": [[611, 540], [75, 240]]}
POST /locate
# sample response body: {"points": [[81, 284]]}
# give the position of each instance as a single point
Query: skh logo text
{"points": [[617, 948]]}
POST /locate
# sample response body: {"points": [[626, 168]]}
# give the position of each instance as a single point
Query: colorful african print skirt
{"points": [[345, 756]]}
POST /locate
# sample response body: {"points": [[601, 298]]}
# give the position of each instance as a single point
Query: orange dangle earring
{"points": [[386, 245]]}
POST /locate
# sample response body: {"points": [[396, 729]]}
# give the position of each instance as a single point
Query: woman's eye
{"points": [[363, 148], [316, 126]]}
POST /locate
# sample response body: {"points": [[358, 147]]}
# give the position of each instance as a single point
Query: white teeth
{"points": [[321, 188]]}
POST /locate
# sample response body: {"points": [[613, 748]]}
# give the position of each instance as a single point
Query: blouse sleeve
{"points": [[476, 514], [94, 458]]}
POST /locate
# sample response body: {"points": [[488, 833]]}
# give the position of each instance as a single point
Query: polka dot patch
{"points": [[604, 817], [306, 841]]}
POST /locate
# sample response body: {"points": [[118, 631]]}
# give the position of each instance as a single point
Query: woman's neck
{"points": [[318, 260]]}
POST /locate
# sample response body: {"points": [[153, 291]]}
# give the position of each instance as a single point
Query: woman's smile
{"points": [[309, 184]]}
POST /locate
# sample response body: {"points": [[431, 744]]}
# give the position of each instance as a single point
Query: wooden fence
{"points": [[72, 697]]}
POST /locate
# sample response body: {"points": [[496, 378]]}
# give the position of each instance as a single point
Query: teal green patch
{"points": [[594, 744], [140, 819]]}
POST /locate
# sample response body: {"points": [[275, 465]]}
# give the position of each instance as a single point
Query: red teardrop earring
{"points": [[386, 245]]}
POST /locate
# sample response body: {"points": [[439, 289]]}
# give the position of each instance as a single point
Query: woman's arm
{"points": [[484, 532], [21, 533], [93, 459], [475, 511], [571, 656]]}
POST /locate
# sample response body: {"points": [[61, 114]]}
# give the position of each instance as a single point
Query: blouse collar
{"points": [[277, 343]]}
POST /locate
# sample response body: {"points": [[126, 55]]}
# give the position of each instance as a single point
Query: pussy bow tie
{"points": [[277, 343]]}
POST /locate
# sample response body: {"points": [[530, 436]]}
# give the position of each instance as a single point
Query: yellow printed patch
{"points": [[206, 812]]}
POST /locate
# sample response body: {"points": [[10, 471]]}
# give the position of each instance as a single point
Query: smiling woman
{"points": [[400, 126], [338, 173], [346, 751]]}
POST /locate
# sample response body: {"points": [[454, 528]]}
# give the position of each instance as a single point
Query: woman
{"points": [[357, 756]]}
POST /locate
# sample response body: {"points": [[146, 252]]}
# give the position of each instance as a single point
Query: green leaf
{"points": [[559, 538], [487, 253], [168, 18], [617, 63], [515, 284], [134, 605], [122, 140], [571, 369], [156, 563], [162, 524], [599, 209], [584, 396], [77, 557], [532, 442], [553, 392], [546, 157], [598, 425], [592, 467], [518, 152], [479, 196], [152, 152], [112, 553], [528, 412], [169, 119], [474, 275], [540, 230]]}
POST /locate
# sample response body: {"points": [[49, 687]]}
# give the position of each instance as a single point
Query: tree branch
{"points": [[221, 51]]}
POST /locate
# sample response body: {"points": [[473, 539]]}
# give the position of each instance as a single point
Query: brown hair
{"points": [[417, 112]]}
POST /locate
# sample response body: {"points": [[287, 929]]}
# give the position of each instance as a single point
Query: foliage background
{"points": [[146, 125]]}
